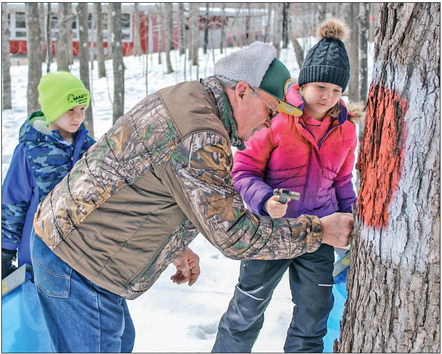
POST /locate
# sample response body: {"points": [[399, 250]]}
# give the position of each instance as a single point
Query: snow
{"points": [[169, 317]]}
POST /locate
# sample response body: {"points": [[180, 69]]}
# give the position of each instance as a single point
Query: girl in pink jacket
{"points": [[313, 155]]}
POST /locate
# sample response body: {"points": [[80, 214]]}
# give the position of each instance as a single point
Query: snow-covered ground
{"points": [[169, 317]]}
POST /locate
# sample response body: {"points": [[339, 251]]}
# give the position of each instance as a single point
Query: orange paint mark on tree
{"points": [[381, 154]]}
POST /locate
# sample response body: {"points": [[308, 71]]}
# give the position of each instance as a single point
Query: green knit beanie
{"points": [[59, 92]]}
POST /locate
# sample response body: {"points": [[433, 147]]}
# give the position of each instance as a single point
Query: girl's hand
{"points": [[275, 208]]}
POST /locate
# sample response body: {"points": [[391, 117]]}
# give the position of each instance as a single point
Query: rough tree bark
{"points": [[6, 61], [168, 19], [118, 64], [364, 10], [83, 32], [393, 302], [33, 34], [63, 43], [137, 35], [98, 12]]}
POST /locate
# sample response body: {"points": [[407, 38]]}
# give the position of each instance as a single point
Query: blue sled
{"points": [[333, 324], [23, 326]]}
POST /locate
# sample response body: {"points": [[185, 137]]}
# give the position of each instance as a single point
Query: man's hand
{"points": [[275, 208], [187, 267], [336, 229]]}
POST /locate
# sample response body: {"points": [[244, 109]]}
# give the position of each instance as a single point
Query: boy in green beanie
{"points": [[50, 142]]}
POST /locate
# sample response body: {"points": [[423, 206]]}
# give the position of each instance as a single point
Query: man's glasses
{"points": [[272, 113]]}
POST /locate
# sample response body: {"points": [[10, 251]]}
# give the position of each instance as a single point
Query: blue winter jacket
{"points": [[40, 161]]}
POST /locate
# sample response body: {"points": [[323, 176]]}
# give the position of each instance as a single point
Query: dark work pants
{"points": [[311, 283]]}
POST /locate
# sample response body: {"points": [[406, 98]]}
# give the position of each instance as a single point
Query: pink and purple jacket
{"points": [[288, 156]]}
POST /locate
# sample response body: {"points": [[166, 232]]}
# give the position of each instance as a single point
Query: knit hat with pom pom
{"points": [[328, 60]]}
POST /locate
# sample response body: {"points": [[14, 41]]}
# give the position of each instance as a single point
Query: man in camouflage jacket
{"points": [[159, 176]]}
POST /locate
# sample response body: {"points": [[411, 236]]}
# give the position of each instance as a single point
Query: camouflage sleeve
{"points": [[202, 164], [13, 219]]}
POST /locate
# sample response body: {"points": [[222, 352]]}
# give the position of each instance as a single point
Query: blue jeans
{"points": [[311, 284], [81, 316]]}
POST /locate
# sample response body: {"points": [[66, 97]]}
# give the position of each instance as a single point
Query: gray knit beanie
{"points": [[258, 66], [328, 60]]}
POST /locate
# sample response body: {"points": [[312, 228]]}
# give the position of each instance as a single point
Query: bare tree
{"points": [[98, 19], [194, 32], [206, 28], [277, 26], [110, 30], [299, 52], [43, 37], [353, 50], [223, 44], [6, 61], [118, 64], [393, 302], [49, 37], [321, 12], [33, 34], [364, 10], [83, 32], [64, 44], [168, 12], [137, 36], [285, 24], [182, 27]]}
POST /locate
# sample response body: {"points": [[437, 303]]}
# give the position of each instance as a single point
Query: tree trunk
{"points": [[182, 26], [285, 24], [34, 54], [206, 28], [353, 50], [168, 12], [321, 13], [6, 60], [99, 39], [83, 31], [364, 10], [63, 42], [43, 36], [299, 52], [118, 64], [393, 302], [194, 32], [49, 38], [277, 26], [137, 36], [223, 28], [110, 30]]}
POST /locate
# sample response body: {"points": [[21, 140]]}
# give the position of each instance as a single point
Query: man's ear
{"points": [[241, 88]]}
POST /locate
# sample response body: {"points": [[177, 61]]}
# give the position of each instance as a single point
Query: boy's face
{"points": [[69, 122]]}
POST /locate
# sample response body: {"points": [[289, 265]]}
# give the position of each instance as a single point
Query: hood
{"points": [[35, 129]]}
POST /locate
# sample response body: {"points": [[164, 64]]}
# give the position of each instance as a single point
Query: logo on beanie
{"points": [[77, 99]]}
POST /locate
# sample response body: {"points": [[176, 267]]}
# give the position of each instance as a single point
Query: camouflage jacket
{"points": [[40, 161], [159, 176]]}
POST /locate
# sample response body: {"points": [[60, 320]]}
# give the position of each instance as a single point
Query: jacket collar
{"points": [[225, 113]]}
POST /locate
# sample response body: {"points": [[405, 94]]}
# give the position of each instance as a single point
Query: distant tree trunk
{"points": [[269, 10], [206, 28], [277, 33], [222, 44], [393, 301], [168, 7], [64, 29], [299, 52], [43, 36], [353, 50], [110, 30], [118, 64], [285, 24], [364, 10], [83, 31], [6, 61], [321, 12], [182, 27], [34, 54], [49, 38], [99, 39], [137, 36], [194, 32]]}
